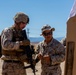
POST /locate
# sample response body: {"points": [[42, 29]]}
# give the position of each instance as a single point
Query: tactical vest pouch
{"points": [[12, 53], [20, 54], [23, 58], [6, 52]]}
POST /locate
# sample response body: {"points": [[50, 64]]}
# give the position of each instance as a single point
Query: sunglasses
{"points": [[46, 34]]}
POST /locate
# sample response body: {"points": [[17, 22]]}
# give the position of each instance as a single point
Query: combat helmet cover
{"points": [[21, 17]]}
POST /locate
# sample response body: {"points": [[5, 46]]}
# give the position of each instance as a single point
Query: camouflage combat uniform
{"points": [[15, 67], [57, 55], [63, 41]]}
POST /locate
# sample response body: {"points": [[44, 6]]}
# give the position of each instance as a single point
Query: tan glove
{"points": [[47, 58], [25, 42], [40, 56]]}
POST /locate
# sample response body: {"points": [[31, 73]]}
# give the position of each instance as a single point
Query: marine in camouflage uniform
{"points": [[11, 42], [63, 41], [51, 53]]}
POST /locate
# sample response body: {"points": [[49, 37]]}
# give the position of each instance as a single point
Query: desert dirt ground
{"points": [[29, 70]]}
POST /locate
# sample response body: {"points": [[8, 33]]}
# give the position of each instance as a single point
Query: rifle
{"points": [[29, 51], [24, 50]]}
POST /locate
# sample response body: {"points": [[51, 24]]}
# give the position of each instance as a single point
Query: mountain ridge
{"points": [[38, 39]]}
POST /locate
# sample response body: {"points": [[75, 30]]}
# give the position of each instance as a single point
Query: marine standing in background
{"points": [[63, 41], [51, 53], [11, 40]]}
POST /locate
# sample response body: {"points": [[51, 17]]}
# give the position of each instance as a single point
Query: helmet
{"points": [[21, 17]]}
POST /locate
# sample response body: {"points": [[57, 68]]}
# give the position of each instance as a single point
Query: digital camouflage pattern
{"points": [[63, 41], [21, 17], [56, 51], [47, 27], [11, 68]]}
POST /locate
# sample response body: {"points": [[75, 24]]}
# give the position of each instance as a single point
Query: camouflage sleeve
{"points": [[37, 49], [6, 40], [63, 41], [59, 55], [37, 52]]}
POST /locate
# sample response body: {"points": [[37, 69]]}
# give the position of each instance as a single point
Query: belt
{"points": [[54, 65], [14, 61]]}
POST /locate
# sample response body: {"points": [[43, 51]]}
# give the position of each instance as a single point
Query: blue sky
{"points": [[41, 12]]}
